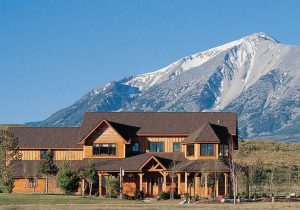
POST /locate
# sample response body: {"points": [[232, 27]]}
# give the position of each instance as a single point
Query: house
{"points": [[156, 150]]}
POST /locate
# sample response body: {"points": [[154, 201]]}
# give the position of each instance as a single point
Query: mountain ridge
{"points": [[255, 70]]}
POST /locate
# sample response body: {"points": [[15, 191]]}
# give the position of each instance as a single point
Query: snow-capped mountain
{"points": [[255, 76]]}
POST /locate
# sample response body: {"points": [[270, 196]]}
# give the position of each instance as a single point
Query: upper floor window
{"points": [[135, 147], [190, 150], [223, 150], [207, 150], [43, 154], [104, 149], [176, 147], [156, 147]]}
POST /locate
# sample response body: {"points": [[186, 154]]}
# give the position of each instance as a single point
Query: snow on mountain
{"points": [[255, 76]]}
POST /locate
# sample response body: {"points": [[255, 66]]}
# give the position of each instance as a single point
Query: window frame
{"points": [[207, 149], [188, 152], [156, 147], [133, 146], [176, 143], [43, 154], [99, 153]]}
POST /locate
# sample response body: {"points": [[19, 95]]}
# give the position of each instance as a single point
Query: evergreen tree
{"points": [[9, 153], [67, 178], [48, 167]]}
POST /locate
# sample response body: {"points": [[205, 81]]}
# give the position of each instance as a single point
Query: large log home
{"points": [[157, 151]]}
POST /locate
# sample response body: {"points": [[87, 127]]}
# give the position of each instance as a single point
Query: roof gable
{"points": [[103, 121], [208, 133]]}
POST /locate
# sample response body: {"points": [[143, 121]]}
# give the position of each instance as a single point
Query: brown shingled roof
{"points": [[127, 124], [36, 137], [165, 123], [208, 133]]}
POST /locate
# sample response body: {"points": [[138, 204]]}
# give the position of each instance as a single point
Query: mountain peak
{"points": [[260, 35]]}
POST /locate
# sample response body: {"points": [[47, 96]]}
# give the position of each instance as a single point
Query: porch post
{"points": [[186, 182], [226, 184], [141, 181], [82, 186], [197, 183], [100, 183], [164, 187], [205, 185], [217, 186], [178, 183]]}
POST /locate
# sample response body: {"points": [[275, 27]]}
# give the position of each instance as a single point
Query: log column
{"points": [[141, 181], [197, 183], [178, 183], [226, 183], [82, 186], [217, 186], [164, 187], [186, 182], [205, 185], [100, 183]]}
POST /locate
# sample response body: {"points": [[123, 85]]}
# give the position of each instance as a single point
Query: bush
{"points": [[139, 195], [176, 195], [197, 198], [126, 197], [227, 196], [67, 178], [186, 196], [164, 195]]}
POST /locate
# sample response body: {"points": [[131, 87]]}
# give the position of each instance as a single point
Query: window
{"points": [[207, 150], [43, 154], [31, 183], [135, 147], [156, 147], [176, 147], [223, 148], [190, 150], [104, 149]]}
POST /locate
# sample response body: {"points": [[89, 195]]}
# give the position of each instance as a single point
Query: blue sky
{"points": [[53, 52]]}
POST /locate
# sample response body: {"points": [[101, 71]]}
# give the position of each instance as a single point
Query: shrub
{"points": [[227, 196], [67, 178], [164, 195], [139, 195], [186, 196], [126, 197], [177, 196]]}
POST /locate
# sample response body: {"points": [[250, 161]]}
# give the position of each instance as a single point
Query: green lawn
{"points": [[64, 202]]}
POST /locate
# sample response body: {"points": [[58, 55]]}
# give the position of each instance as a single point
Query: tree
{"points": [[232, 169], [9, 153], [48, 168], [112, 186], [90, 175], [67, 178]]}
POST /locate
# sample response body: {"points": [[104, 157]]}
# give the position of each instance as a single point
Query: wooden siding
{"points": [[58, 154], [68, 154], [107, 135], [168, 142], [30, 154], [21, 186]]}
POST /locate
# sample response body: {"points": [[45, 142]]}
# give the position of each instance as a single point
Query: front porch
{"points": [[152, 183]]}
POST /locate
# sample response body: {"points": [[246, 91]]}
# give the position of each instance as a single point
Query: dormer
{"points": [[205, 142], [107, 140]]}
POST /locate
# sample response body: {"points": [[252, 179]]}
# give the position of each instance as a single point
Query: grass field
{"points": [[64, 202]]}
